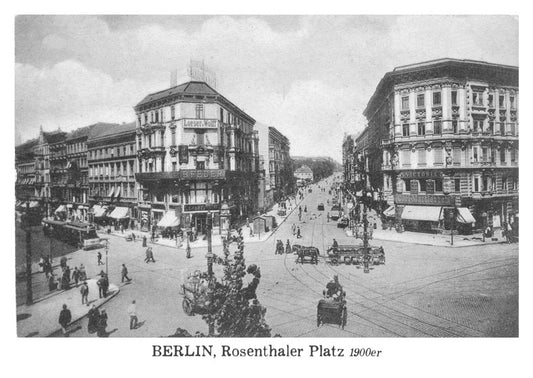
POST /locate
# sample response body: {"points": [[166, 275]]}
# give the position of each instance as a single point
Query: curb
{"points": [[107, 299]]}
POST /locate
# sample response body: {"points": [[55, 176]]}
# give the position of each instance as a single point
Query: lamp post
{"points": [[209, 256], [26, 223], [106, 258]]}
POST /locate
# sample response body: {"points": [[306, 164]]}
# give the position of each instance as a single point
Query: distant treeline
{"points": [[321, 167]]}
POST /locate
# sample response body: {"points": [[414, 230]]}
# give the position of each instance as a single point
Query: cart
{"points": [[306, 254], [197, 295], [331, 311]]}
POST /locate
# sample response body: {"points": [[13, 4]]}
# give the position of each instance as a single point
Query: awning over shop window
{"points": [[99, 211], [34, 204], [390, 212], [111, 192], [169, 220], [422, 213], [117, 192], [61, 209], [120, 213], [464, 215]]}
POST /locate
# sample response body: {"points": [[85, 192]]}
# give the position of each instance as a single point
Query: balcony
{"points": [[184, 175]]}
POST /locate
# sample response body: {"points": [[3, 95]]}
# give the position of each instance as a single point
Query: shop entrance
{"points": [[199, 222]]}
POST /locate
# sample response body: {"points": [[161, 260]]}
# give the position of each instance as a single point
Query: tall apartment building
{"points": [[444, 134], [197, 150]]}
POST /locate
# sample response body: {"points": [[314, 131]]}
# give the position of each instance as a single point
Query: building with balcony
{"points": [[196, 150], [349, 163], [443, 135], [25, 189], [112, 164], [274, 148]]}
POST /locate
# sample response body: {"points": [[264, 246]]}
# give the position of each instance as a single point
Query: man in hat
{"points": [[64, 319], [84, 290], [99, 255], [125, 273], [132, 312]]}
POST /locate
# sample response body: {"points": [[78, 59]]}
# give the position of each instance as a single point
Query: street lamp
{"points": [[106, 257], [209, 255]]}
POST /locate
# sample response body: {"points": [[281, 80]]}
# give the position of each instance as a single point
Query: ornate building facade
{"points": [[112, 160], [444, 134], [196, 151]]}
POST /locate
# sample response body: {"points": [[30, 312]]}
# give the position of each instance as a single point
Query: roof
{"points": [[81, 132], [495, 74], [304, 169], [190, 88], [101, 130]]}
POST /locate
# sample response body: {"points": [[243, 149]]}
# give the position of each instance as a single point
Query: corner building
{"points": [[447, 133], [196, 151]]}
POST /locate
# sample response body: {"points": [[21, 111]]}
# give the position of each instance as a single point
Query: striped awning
{"points": [[390, 212], [119, 213], [464, 215], [422, 213], [111, 192], [61, 209], [169, 220]]}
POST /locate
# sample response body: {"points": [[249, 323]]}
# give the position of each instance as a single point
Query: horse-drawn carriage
{"points": [[197, 294], [306, 254], [355, 255], [332, 308]]}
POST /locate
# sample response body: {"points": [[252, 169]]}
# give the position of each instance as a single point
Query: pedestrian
{"points": [[102, 324], [147, 258], [63, 262], [52, 284], [293, 229], [298, 233], [93, 315], [125, 273], [305, 209], [65, 281], [288, 249], [84, 290], [144, 241], [64, 319], [133, 237], [105, 285], [121, 228], [132, 312], [99, 255], [335, 245], [83, 273], [76, 276], [328, 216], [101, 285], [151, 255]]}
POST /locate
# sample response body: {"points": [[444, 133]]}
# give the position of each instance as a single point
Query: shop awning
{"points": [[169, 220], [464, 215], [34, 204], [117, 192], [119, 213], [390, 212], [61, 209], [99, 211], [111, 192], [422, 213]]}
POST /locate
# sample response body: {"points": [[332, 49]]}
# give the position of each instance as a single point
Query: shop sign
{"points": [[200, 123], [421, 199], [202, 174], [202, 207], [420, 173]]}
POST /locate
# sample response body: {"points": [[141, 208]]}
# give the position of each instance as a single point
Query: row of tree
{"points": [[321, 167]]}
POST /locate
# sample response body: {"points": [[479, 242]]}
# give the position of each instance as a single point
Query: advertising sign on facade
{"points": [[200, 123]]}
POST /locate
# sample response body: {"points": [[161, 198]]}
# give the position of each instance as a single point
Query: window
{"points": [[437, 127], [502, 128], [504, 184], [502, 101], [407, 184], [421, 128], [512, 100], [457, 155], [493, 155], [199, 111], [221, 115], [436, 98], [491, 100], [200, 165], [162, 139], [455, 126], [513, 155], [172, 112], [454, 97], [145, 118], [490, 129], [485, 152], [174, 166], [156, 116], [200, 139], [475, 154], [420, 100], [478, 125], [502, 154], [438, 185], [513, 128], [405, 103], [477, 98], [476, 184], [437, 156], [406, 157], [422, 157], [423, 185], [405, 129], [457, 185]]}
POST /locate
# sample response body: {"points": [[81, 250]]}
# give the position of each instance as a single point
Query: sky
{"points": [[309, 76]]}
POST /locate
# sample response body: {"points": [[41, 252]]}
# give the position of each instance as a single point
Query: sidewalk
{"points": [[41, 318], [216, 239], [430, 239]]}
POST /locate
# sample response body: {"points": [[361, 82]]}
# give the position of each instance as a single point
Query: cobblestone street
{"points": [[422, 291]]}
